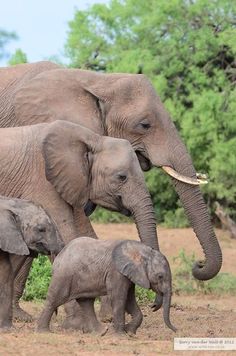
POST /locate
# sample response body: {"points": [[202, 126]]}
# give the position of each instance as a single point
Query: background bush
{"points": [[187, 49], [39, 279]]}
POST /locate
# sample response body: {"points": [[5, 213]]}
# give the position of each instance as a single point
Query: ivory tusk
{"points": [[201, 178]]}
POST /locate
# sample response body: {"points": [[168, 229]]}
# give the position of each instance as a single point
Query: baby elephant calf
{"points": [[87, 268], [25, 229]]}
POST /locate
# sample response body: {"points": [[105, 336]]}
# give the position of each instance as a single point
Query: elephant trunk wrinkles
{"points": [[145, 220], [198, 216]]}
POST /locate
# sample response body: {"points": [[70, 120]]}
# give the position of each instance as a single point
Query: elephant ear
{"points": [[131, 258], [65, 151], [11, 238]]}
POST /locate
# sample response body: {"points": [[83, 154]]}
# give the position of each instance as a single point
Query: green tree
{"points": [[18, 57], [187, 48], [5, 37]]}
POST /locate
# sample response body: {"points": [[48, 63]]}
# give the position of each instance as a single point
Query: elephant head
{"points": [[132, 110], [147, 268], [26, 227], [86, 167]]}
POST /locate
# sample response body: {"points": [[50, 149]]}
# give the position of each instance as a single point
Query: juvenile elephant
{"points": [[25, 229], [87, 268], [119, 105], [62, 166]]}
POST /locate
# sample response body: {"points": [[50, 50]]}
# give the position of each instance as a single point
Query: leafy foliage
{"points": [[187, 49], [39, 279], [18, 57]]}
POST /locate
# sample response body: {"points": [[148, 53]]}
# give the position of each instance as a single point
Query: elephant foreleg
{"points": [[6, 291], [133, 309], [118, 287], [19, 285]]}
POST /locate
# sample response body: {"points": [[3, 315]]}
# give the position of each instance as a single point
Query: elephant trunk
{"points": [[144, 217], [55, 243], [157, 302], [166, 310], [198, 215]]}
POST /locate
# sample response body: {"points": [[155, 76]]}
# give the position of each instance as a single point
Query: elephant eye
{"points": [[144, 124], [122, 177], [41, 228], [160, 277]]}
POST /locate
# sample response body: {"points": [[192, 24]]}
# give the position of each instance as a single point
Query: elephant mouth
{"points": [[89, 208], [146, 165], [40, 248], [144, 162], [121, 208]]}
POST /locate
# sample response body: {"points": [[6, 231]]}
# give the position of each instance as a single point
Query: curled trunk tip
{"points": [[203, 271]]}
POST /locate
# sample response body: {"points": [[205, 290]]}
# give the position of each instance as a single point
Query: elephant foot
{"points": [[130, 329], [20, 315], [42, 330], [6, 326], [87, 326], [105, 313], [96, 328], [112, 332], [72, 323]]}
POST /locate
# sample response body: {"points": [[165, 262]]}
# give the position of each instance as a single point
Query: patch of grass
{"points": [[184, 282], [104, 216]]}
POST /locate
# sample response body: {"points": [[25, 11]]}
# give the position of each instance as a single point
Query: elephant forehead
{"points": [[120, 149], [116, 162], [37, 214]]}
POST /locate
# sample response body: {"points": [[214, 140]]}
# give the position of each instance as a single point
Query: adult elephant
{"points": [[61, 166], [119, 105]]}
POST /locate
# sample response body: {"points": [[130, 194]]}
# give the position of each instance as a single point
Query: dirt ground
{"points": [[194, 316]]}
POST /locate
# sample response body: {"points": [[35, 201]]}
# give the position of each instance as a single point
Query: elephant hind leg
{"points": [[45, 317], [91, 322], [53, 301], [81, 316], [105, 313], [133, 309]]}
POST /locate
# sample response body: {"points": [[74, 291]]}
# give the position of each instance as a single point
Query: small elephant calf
{"points": [[87, 268], [25, 229]]}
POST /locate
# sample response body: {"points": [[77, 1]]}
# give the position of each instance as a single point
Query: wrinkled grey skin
{"points": [[118, 105], [24, 228], [87, 268], [62, 166]]}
